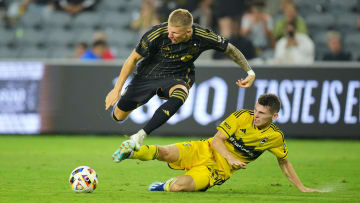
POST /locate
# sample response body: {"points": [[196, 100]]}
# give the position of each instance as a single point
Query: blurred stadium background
{"points": [[45, 88]]}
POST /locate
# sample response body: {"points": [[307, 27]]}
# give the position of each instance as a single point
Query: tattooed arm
{"points": [[240, 59]]}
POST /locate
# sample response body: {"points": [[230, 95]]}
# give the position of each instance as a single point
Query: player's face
{"points": [[263, 116], [179, 34]]}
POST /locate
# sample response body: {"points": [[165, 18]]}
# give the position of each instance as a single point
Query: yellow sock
{"points": [[146, 153], [168, 183]]}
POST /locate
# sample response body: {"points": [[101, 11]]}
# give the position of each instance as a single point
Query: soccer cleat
{"points": [[157, 186], [124, 152], [138, 138]]}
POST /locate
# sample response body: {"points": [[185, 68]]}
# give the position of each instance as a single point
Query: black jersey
{"points": [[162, 59]]}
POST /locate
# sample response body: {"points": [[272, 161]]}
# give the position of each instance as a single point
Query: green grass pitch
{"points": [[37, 168]]}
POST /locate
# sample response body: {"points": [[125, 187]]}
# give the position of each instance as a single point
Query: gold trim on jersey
{"points": [[187, 77], [205, 34], [153, 68], [157, 33]]}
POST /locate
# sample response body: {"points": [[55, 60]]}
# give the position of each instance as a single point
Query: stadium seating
{"points": [[87, 20], [60, 37], [317, 21], [57, 35], [346, 22], [58, 20], [341, 7]]}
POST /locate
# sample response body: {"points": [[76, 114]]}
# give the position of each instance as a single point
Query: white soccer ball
{"points": [[83, 179]]}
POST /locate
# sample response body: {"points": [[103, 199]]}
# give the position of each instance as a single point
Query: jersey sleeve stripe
{"points": [[157, 34], [238, 113], [206, 36], [156, 31], [224, 130], [206, 33], [276, 129]]}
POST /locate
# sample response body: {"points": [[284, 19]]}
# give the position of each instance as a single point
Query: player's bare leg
{"points": [[183, 183], [119, 115]]}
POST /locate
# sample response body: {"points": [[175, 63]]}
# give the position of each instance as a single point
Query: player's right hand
{"points": [[235, 163], [112, 97]]}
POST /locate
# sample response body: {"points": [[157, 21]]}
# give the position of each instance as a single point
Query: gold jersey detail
{"points": [[205, 34], [166, 112], [247, 142], [186, 58], [157, 33]]}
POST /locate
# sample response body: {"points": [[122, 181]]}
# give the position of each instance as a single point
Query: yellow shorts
{"points": [[196, 158]]}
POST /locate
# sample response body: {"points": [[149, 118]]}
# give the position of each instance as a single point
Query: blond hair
{"points": [[180, 18]]}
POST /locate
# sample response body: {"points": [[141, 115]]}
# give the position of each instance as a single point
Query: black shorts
{"points": [[141, 90]]}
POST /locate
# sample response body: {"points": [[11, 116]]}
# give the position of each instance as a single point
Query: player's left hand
{"points": [[247, 82]]}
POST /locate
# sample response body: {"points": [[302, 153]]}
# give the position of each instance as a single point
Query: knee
{"points": [[164, 153], [178, 186], [118, 115], [168, 153]]}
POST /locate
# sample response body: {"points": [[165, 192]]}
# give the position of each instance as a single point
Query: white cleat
{"points": [[138, 138]]}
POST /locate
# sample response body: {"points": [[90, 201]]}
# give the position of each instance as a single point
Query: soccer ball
{"points": [[83, 179]]}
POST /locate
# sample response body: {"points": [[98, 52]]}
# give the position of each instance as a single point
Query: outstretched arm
{"points": [[290, 173], [236, 55], [128, 67], [218, 143]]}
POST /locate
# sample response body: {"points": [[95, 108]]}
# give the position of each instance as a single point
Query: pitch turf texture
{"points": [[37, 168]]}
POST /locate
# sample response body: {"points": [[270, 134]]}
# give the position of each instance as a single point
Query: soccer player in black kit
{"points": [[165, 59]]}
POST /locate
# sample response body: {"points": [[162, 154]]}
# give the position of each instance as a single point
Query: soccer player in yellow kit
{"points": [[241, 138]]}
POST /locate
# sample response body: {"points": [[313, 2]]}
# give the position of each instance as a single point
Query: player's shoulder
{"points": [[243, 112], [205, 33], [156, 31], [276, 131]]}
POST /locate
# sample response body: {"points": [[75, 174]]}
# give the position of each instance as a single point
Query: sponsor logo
{"points": [[263, 141], [166, 112]]}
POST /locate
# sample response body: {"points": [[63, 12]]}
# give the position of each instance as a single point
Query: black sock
{"points": [[166, 110]]}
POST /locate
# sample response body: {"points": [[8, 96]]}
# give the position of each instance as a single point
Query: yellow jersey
{"points": [[246, 142]]}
